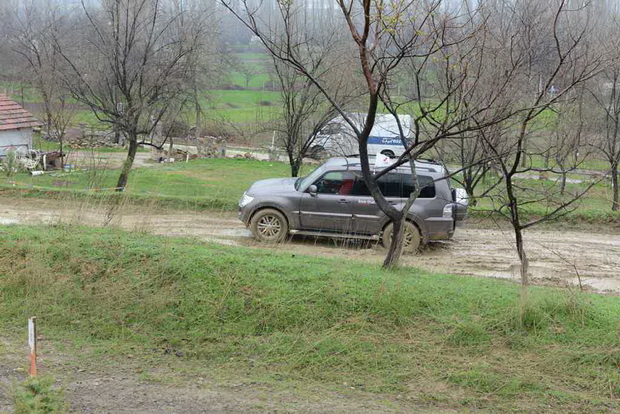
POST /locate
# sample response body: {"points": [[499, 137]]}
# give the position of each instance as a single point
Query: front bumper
{"points": [[244, 215]]}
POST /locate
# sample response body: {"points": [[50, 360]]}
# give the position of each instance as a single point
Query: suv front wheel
{"points": [[269, 226], [412, 241]]}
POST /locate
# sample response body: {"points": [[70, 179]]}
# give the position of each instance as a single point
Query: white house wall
{"points": [[15, 138]]}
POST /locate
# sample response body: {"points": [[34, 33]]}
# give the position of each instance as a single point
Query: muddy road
{"points": [[556, 257]]}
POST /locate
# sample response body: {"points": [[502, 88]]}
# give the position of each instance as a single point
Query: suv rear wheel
{"points": [[413, 239], [269, 226]]}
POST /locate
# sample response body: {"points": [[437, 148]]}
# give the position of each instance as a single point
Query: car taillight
{"points": [[447, 211]]}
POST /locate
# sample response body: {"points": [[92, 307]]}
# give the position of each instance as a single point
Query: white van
{"points": [[337, 137]]}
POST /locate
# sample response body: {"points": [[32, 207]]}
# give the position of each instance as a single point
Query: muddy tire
{"points": [[413, 238], [269, 226]]}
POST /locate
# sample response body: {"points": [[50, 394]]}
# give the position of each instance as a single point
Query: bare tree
{"points": [[604, 91], [208, 62], [130, 64], [566, 151], [305, 110], [571, 63], [32, 32], [62, 116], [248, 72]]}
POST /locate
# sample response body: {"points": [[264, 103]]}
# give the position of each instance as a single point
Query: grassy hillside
{"points": [[440, 340]]}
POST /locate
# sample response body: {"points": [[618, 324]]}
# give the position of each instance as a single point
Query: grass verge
{"points": [[217, 184], [39, 396], [442, 340], [199, 184]]}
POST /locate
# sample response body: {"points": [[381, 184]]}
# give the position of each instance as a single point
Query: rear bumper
{"points": [[439, 228]]}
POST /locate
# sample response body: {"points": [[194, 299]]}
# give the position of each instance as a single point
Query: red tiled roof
{"points": [[14, 116]]}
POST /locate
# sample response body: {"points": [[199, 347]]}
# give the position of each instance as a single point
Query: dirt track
{"points": [[555, 256]]}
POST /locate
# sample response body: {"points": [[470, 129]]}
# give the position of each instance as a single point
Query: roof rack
{"points": [[357, 164], [429, 160]]}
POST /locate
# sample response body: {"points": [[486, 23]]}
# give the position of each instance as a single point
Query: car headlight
{"points": [[245, 200]]}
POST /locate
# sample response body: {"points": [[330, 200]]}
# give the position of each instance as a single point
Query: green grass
{"points": [[595, 206], [38, 395], [41, 144], [15, 89], [218, 184], [245, 106], [239, 106], [441, 340], [593, 162], [253, 56], [259, 63], [86, 116], [198, 184], [257, 81]]}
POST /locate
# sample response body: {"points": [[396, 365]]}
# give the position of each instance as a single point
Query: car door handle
{"points": [[393, 202], [343, 201]]}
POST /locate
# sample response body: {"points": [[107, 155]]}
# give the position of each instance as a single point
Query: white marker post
{"points": [[32, 342]]}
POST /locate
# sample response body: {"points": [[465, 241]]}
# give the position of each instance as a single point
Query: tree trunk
{"points": [[396, 247], [515, 220], [295, 167], [563, 183], [62, 156], [198, 108], [614, 183], [522, 256], [524, 271], [468, 180], [131, 155], [398, 235]]}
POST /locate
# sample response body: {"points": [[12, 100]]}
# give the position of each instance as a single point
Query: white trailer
{"points": [[337, 137]]}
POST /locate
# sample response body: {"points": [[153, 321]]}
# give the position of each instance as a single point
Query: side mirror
{"points": [[313, 190]]}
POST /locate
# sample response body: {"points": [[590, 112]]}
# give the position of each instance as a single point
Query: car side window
{"points": [[336, 182], [360, 189], [389, 184], [426, 183], [397, 185]]}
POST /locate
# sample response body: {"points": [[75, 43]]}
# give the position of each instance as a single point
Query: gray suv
{"points": [[334, 201]]}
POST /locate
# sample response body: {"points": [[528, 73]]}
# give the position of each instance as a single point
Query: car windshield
{"points": [[305, 182]]}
